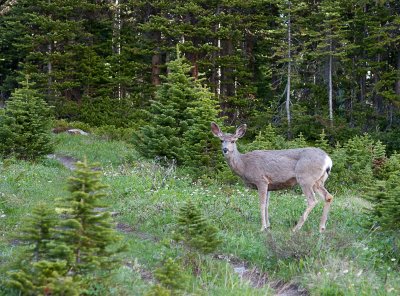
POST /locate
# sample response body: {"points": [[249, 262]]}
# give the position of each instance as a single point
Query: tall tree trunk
{"points": [[289, 70], [116, 42], [156, 60], [397, 83], [330, 85]]}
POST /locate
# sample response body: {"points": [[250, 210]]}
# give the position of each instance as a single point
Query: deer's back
{"points": [[283, 168]]}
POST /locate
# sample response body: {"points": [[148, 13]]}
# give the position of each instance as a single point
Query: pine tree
{"points": [[25, 125], [200, 149], [170, 275], [183, 107], [36, 232], [44, 278], [195, 231], [385, 198], [40, 273], [322, 142], [88, 233]]}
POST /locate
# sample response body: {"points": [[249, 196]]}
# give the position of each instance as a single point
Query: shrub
{"points": [[385, 199], [25, 125], [195, 231]]}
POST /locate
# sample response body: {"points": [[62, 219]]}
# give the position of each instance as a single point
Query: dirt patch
{"points": [[288, 289], [126, 228], [67, 161], [258, 279]]}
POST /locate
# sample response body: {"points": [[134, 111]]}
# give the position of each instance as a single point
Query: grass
{"points": [[346, 260]]}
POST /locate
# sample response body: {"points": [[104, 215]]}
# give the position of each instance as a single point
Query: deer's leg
{"points": [[311, 203], [328, 201], [266, 209], [264, 201]]}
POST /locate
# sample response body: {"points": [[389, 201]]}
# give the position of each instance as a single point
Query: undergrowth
{"points": [[146, 197]]}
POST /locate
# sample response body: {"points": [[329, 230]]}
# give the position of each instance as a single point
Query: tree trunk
{"points": [[116, 42], [289, 70], [330, 85], [156, 61]]}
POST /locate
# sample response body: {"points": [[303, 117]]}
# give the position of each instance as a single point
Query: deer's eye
{"points": [[233, 142], [222, 141]]}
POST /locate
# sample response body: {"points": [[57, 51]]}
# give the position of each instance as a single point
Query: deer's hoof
{"points": [[264, 228]]}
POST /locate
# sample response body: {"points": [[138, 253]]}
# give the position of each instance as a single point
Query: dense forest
{"points": [[304, 66]]}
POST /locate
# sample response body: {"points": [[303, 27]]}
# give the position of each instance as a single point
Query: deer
{"points": [[272, 170]]}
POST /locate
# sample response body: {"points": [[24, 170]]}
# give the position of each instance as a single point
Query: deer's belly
{"points": [[282, 185]]}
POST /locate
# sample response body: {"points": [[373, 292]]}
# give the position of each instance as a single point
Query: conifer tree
{"points": [[170, 277], [163, 135], [87, 232], [36, 232], [195, 231], [39, 272], [180, 118], [322, 142], [385, 198], [200, 149], [25, 125]]}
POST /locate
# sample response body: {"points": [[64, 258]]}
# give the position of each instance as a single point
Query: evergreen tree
{"points": [[36, 232], [44, 278], [88, 233], [385, 198], [195, 231], [200, 149], [170, 277], [180, 117], [40, 273], [25, 125]]}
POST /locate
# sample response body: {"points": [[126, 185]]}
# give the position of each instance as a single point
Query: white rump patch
{"points": [[328, 162]]}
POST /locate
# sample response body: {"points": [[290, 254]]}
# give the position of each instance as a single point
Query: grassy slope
{"points": [[346, 259]]}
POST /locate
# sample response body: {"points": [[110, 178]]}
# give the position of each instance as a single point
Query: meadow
{"points": [[144, 197]]}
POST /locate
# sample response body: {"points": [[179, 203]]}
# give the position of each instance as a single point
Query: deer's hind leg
{"points": [[327, 197], [311, 203], [264, 203]]}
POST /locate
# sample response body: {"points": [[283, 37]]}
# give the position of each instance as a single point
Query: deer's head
{"points": [[228, 141]]}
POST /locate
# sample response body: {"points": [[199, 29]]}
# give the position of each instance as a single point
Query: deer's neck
{"points": [[235, 161]]}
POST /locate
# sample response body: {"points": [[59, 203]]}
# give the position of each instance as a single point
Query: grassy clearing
{"points": [[346, 260]]}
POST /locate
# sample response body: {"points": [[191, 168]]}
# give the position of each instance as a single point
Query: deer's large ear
{"points": [[241, 130], [215, 129]]}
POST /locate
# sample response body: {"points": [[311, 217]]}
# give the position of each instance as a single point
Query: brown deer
{"points": [[270, 170]]}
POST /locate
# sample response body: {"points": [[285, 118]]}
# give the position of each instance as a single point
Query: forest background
{"points": [[303, 66]]}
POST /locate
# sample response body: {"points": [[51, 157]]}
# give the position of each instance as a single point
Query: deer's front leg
{"points": [[264, 202]]}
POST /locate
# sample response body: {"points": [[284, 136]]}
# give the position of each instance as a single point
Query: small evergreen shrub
{"points": [[25, 125], [385, 199], [353, 163], [39, 272], [87, 232], [65, 252], [170, 277], [267, 139], [195, 231]]}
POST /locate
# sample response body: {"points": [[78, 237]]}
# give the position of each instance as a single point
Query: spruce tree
{"points": [[195, 231], [170, 277], [25, 125], [200, 149], [180, 120], [39, 272], [385, 199], [87, 232]]}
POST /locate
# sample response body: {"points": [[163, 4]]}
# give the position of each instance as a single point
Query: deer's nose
{"points": [[225, 150]]}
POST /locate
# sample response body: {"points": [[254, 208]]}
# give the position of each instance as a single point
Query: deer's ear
{"points": [[241, 130], [215, 129]]}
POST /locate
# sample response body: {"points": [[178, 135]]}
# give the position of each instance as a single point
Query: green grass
{"points": [[346, 260]]}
